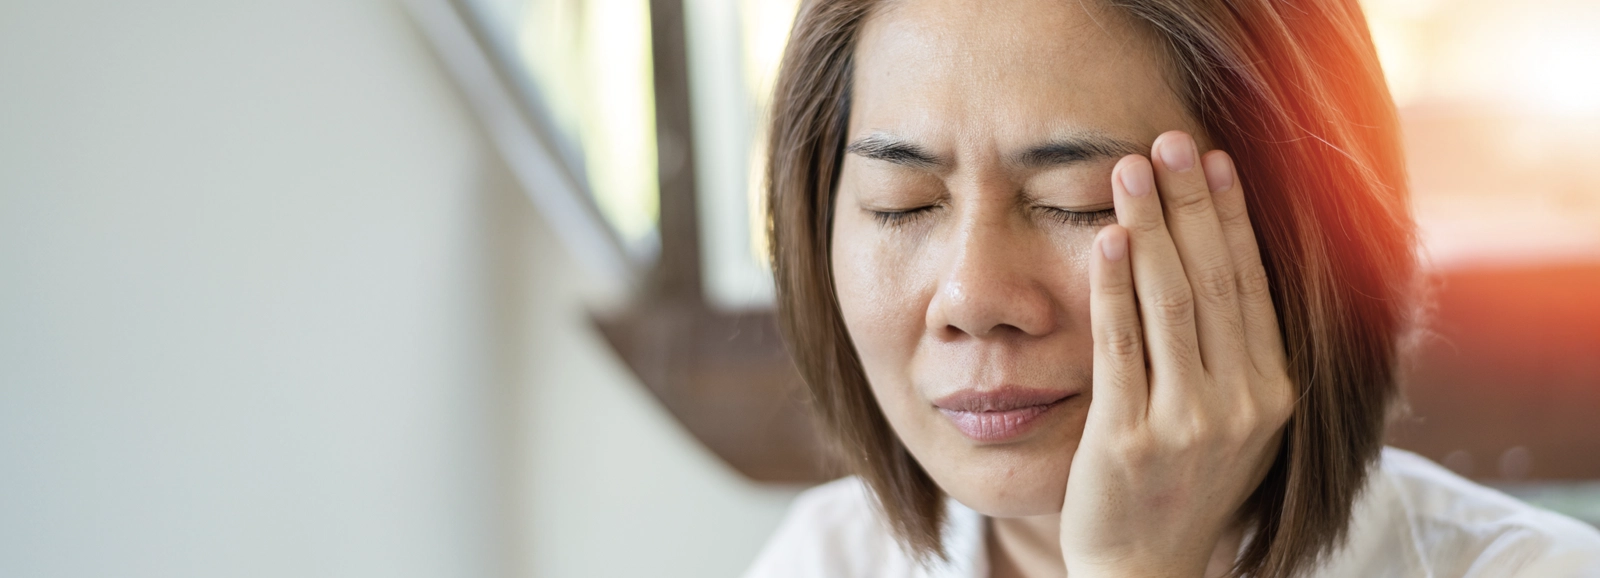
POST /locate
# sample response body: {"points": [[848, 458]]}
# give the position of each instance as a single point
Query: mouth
{"points": [[1000, 414]]}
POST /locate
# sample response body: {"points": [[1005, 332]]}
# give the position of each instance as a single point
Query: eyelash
{"points": [[1063, 216], [894, 219], [1084, 218]]}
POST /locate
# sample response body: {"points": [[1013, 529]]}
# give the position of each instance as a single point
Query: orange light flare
{"points": [[1500, 107]]}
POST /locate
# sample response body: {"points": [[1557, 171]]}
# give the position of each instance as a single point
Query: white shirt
{"points": [[1415, 519]]}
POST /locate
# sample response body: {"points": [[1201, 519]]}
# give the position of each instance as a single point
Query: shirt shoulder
{"points": [[835, 530], [1417, 518], [830, 530]]}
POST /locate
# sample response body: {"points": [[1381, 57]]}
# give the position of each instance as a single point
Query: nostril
{"points": [[1001, 330], [1006, 329]]}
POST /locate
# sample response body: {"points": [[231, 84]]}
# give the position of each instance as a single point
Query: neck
{"points": [[1025, 547], [1030, 547]]}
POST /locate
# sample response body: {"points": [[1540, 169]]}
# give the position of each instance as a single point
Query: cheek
{"points": [[882, 290], [1073, 289]]}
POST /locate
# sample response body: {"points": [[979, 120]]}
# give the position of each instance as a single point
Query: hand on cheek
{"points": [[1191, 385]]}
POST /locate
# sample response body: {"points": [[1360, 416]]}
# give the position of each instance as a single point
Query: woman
{"points": [[1051, 337]]}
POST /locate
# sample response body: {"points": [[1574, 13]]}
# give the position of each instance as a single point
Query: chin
{"points": [[1026, 477]]}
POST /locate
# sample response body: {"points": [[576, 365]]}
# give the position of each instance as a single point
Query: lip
{"points": [[998, 415]]}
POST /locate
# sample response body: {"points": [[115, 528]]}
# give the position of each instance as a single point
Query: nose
{"points": [[994, 285]]}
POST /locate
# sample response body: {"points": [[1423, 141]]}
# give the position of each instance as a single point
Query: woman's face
{"points": [[980, 148]]}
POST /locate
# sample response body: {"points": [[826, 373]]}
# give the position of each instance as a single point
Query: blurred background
{"points": [[475, 288]]}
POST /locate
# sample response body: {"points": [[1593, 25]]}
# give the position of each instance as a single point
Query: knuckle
{"points": [[1192, 434], [1122, 342], [1252, 283], [1216, 283], [1117, 285], [1190, 202], [1173, 307], [1146, 224], [1242, 436], [1246, 422], [1282, 404], [1138, 449], [1233, 214]]}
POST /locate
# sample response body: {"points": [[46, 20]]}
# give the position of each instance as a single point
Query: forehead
{"points": [[1008, 72]]}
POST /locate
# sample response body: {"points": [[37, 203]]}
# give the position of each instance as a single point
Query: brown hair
{"points": [[1294, 92]]}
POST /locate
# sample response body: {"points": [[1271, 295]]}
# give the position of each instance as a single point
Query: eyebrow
{"points": [[1065, 150], [890, 149], [1076, 148]]}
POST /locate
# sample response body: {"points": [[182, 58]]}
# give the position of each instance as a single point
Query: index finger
{"points": [[1121, 392]]}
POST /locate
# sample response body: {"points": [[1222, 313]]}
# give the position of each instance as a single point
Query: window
{"points": [[1498, 101]]}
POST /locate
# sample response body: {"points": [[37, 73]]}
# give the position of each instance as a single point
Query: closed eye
{"points": [[1081, 218], [893, 219]]}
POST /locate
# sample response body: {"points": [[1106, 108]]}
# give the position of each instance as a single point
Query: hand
{"points": [[1173, 447]]}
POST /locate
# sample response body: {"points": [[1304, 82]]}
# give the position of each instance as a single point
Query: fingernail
{"points": [[1219, 171], [1178, 152], [1136, 179], [1114, 246]]}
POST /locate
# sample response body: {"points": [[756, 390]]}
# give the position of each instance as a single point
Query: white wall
{"points": [[619, 488], [270, 306]]}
